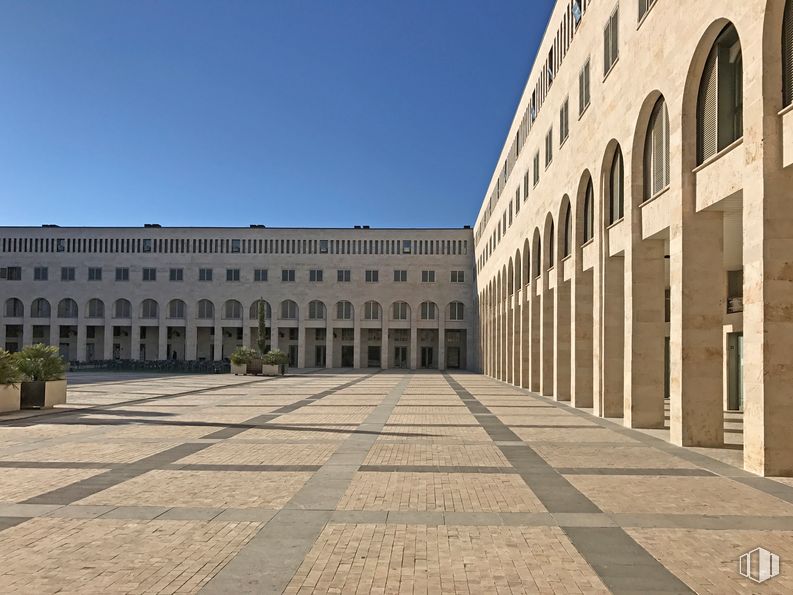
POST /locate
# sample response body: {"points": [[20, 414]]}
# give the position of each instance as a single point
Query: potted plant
{"points": [[274, 363], [240, 360], [9, 383], [43, 376]]}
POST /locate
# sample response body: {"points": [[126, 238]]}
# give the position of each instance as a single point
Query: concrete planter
{"points": [[43, 394], [255, 366], [273, 370], [239, 369], [9, 397]]}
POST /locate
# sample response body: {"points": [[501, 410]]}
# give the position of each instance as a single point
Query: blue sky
{"points": [[280, 112]]}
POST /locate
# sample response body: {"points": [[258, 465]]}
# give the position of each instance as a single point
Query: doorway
{"points": [[319, 356], [292, 354], [735, 371], [426, 357], [373, 356], [347, 356], [400, 357], [453, 357]]}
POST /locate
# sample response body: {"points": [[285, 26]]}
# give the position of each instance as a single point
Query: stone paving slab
{"points": [[366, 481]]}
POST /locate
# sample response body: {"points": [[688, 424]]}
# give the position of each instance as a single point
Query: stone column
{"points": [[581, 393], [55, 334], [301, 344], [645, 332], [470, 364], [107, 347], [384, 346], [547, 346], [414, 346], [535, 339], [191, 341], [613, 333], [218, 342], [509, 331], [27, 332], [442, 343], [134, 340], [246, 334], [162, 341], [525, 339], [274, 336], [329, 347], [356, 344], [517, 338], [81, 339], [561, 335]]}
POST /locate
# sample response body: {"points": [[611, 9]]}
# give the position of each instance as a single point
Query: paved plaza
{"points": [[366, 482]]}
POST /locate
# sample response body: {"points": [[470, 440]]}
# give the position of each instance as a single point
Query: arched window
{"points": [[254, 311], [428, 311], [720, 99], [538, 260], [616, 188], [656, 151], [371, 311], [343, 311], [568, 229], [787, 54], [122, 309], [288, 310], [206, 310], [176, 309], [40, 308], [589, 212], [96, 308], [551, 240], [232, 310], [401, 311], [316, 310], [14, 308], [149, 309], [67, 308], [456, 311]]}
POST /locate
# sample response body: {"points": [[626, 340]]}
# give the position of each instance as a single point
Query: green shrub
{"points": [[276, 357], [9, 373], [40, 362], [243, 355]]}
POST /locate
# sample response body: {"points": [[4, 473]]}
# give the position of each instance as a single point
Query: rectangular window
{"points": [[232, 274], [536, 168], [67, 273], [427, 311], [176, 275], [372, 276], [315, 275], [644, 7], [287, 275], [428, 276], [583, 89], [149, 274], [564, 121], [235, 246], [611, 41], [549, 147], [15, 273], [458, 277], [526, 186], [577, 11], [456, 311], [400, 276], [323, 246], [406, 247], [94, 273], [122, 274], [205, 274], [147, 245], [260, 275], [343, 275], [40, 274]]}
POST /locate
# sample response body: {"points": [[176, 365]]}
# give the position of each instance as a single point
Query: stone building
{"points": [[332, 297], [636, 239]]}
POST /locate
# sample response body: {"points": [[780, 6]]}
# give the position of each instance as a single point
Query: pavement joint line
{"points": [[81, 489], [286, 539], [558, 495]]}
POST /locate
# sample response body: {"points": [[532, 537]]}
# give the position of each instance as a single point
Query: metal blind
{"points": [[787, 54], [656, 151], [707, 111]]}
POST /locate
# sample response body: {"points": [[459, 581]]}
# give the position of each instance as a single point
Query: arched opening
{"points": [[568, 231], [176, 309], [40, 308], [122, 309], [96, 308], [67, 308], [589, 213], [720, 98], [656, 151], [617, 187], [253, 314], [316, 310], [206, 310], [14, 308], [149, 309]]}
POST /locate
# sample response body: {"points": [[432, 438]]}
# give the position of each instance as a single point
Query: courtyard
{"points": [[366, 482]]}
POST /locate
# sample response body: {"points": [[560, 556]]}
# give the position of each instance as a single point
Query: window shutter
{"points": [[615, 50], [707, 113], [607, 48], [787, 54], [581, 91], [643, 8]]}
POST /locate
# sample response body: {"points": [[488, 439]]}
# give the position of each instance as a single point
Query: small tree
{"points": [[276, 357], [9, 373], [242, 355], [40, 362], [261, 341]]}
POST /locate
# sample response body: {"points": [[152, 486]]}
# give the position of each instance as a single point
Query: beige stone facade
{"points": [[354, 298], [637, 244]]}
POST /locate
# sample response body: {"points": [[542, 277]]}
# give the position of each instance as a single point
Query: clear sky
{"points": [[280, 112]]}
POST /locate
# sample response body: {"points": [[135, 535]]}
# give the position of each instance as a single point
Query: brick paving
{"points": [[365, 482]]}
